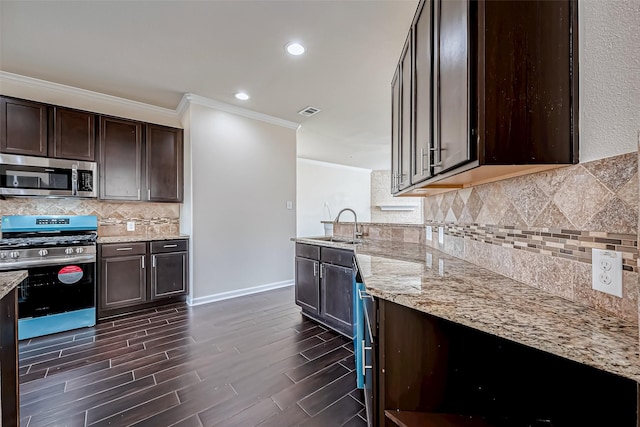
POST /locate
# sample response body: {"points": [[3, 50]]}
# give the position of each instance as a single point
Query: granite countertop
{"points": [[430, 281], [9, 280], [124, 239]]}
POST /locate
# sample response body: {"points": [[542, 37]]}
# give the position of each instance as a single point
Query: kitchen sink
{"points": [[338, 239]]}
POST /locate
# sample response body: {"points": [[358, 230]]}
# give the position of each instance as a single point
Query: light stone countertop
{"points": [[432, 282], [9, 280], [125, 239]]}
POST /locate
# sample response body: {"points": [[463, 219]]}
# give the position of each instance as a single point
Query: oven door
{"points": [[56, 298]]}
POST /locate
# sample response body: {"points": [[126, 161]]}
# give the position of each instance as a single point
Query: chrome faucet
{"points": [[355, 222]]}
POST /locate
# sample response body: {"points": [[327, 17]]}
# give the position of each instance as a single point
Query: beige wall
{"points": [[242, 173]]}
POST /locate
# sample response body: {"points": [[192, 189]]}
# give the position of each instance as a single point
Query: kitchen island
{"points": [[9, 346], [449, 298]]}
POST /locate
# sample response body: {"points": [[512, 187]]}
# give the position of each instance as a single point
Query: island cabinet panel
{"points": [[23, 127], [120, 159], [10, 388], [74, 134], [428, 365], [324, 286]]}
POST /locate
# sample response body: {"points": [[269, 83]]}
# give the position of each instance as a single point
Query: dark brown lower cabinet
{"points": [[434, 372], [138, 275], [324, 286], [9, 392], [307, 285], [169, 270]]}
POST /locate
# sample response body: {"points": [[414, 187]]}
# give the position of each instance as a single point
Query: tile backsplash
{"points": [[149, 218], [540, 229]]}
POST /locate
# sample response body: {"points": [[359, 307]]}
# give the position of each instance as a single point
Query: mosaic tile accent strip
{"points": [[600, 196], [563, 243], [149, 218]]}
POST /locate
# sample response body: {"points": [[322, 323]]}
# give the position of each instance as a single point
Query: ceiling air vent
{"points": [[309, 111]]}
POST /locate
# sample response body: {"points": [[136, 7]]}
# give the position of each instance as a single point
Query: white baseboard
{"points": [[238, 293]]}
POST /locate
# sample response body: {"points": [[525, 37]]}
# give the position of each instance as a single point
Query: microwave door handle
{"points": [[74, 181]]}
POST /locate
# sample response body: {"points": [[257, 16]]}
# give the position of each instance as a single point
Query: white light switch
{"points": [[441, 235], [606, 268], [131, 226], [429, 233], [289, 205]]}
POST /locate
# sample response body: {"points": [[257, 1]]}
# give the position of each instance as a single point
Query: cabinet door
{"points": [[422, 82], [395, 131], [23, 127], [120, 159], [452, 93], [164, 164], [123, 281], [336, 288], [73, 135], [406, 120], [307, 285], [169, 274]]}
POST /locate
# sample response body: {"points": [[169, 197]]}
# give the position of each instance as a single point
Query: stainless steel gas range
{"points": [[59, 252]]}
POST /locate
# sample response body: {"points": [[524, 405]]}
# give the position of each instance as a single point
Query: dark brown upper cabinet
{"points": [[74, 134], [503, 98], [140, 162], [24, 127], [421, 160], [120, 159], [395, 131], [402, 120], [164, 175], [36, 129]]}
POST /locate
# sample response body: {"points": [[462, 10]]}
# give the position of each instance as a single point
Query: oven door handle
{"points": [[23, 264]]}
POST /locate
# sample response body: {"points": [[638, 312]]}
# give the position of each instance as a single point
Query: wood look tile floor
{"points": [[247, 361]]}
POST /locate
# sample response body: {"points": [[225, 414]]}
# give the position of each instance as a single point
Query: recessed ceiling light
{"points": [[295, 48], [242, 96]]}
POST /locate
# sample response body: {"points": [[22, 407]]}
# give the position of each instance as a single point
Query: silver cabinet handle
{"points": [[363, 295], [170, 246], [124, 249], [149, 193], [139, 194], [153, 261], [364, 359], [321, 268], [142, 262], [315, 269]]}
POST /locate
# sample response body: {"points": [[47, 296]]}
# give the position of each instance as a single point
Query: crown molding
{"points": [[84, 93], [190, 98], [187, 99]]}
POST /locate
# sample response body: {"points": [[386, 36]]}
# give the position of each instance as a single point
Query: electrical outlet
{"points": [[131, 226], [289, 205], [429, 260], [441, 235], [429, 233], [606, 268], [441, 267]]}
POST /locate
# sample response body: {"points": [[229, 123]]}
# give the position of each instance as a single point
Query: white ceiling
{"points": [[155, 51]]}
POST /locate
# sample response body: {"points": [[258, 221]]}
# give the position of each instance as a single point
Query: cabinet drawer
{"points": [[337, 256], [122, 249], [169, 246], [307, 251]]}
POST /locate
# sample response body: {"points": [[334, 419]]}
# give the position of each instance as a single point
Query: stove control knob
{"points": [[79, 250], [43, 252], [14, 254], [68, 251], [3, 255]]}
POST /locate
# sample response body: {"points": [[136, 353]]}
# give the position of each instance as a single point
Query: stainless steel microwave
{"points": [[41, 176]]}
